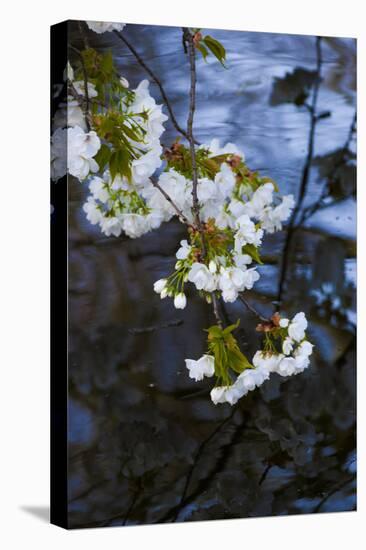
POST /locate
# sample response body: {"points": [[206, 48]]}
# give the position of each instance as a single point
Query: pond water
{"points": [[146, 444]]}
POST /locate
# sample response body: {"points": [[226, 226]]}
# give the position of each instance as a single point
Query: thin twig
{"points": [[305, 174], [252, 309], [181, 216], [155, 79]]}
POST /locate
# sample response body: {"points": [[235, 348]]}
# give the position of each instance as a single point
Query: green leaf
{"points": [[103, 156], [253, 252], [216, 48], [214, 332], [119, 164], [201, 48], [231, 328]]}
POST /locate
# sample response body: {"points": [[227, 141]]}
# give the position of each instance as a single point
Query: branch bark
{"points": [[156, 80]]}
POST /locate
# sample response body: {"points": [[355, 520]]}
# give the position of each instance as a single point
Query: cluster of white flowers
{"points": [[293, 360], [77, 157], [234, 207], [117, 207], [152, 124], [104, 26]]}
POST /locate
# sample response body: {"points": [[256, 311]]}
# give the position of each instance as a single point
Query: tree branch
{"points": [[156, 80], [252, 309], [305, 173], [192, 107], [188, 41], [181, 216]]}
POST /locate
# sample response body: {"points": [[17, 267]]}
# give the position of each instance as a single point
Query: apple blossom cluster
{"points": [[292, 357]]}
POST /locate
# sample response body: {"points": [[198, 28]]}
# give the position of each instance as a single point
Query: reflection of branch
{"points": [[305, 173], [155, 79], [252, 309], [144, 330], [173, 513], [310, 210], [335, 489], [264, 474]]}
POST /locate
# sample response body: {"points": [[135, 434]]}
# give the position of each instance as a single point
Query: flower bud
{"points": [[212, 266], [159, 286], [124, 82], [180, 301]]}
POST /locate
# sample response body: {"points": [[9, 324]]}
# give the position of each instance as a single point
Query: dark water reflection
{"points": [[145, 442]]}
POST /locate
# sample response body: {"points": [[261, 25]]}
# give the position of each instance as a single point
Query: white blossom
{"points": [[247, 233], [226, 394], [202, 277], [58, 154], [104, 26], [205, 366], [111, 226], [267, 361], [225, 180], [124, 82], [287, 346], [79, 86], [81, 148], [160, 285], [233, 280], [184, 250], [99, 189], [297, 327], [252, 378], [93, 213], [180, 301], [272, 218], [134, 225]]}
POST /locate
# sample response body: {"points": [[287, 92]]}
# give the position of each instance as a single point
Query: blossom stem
{"points": [[155, 79], [305, 173]]}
